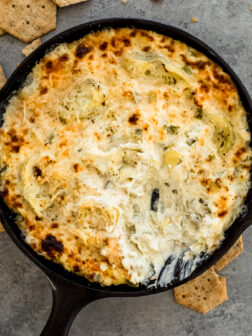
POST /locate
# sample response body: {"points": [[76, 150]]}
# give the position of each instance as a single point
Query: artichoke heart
{"points": [[153, 68], [224, 135], [36, 189], [84, 101]]}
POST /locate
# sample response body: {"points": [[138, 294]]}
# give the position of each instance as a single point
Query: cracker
{"points": [[31, 47], [2, 78], [62, 3], [2, 32], [203, 293], [27, 19], [231, 254]]}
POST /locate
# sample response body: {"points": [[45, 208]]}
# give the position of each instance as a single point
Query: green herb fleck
{"points": [[201, 201], [3, 169], [199, 113], [50, 138], [139, 131], [189, 142], [187, 69], [172, 129], [193, 52], [211, 157]]}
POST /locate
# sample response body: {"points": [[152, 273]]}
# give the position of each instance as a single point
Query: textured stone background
{"points": [[25, 298]]}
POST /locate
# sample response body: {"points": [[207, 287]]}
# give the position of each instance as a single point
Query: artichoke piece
{"points": [[153, 68], [36, 189], [84, 101], [224, 136], [96, 216], [172, 157]]}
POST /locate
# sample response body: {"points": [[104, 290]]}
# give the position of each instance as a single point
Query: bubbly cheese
{"points": [[124, 152]]}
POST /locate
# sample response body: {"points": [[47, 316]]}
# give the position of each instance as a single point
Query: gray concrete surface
{"points": [[25, 297]]}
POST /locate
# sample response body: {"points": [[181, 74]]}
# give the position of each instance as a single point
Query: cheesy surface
{"points": [[123, 150]]}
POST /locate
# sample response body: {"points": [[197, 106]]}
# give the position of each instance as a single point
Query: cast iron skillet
{"points": [[70, 292]]}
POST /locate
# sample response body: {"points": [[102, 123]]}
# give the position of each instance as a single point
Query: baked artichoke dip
{"points": [[123, 154]]}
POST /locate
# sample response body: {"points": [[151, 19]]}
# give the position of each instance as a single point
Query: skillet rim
{"points": [[18, 77]]}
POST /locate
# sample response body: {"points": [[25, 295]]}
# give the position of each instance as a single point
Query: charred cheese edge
{"points": [[122, 149]]}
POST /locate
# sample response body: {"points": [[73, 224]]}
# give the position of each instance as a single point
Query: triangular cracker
{"points": [[203, 293], [231, 254], [2, 77], [32, 46]]}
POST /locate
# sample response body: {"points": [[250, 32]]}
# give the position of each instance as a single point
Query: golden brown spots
{"points": [[170, 48], [15, 149], [165, 95], [196, 102], [17, 204], [91, 57], [118, 53], [49, 65], [104, 55], [126, 42], [221, 77], [146, 127], [54, 225], [133, 33], [97, 136], [63, 144], [133, 119], [240, 152], [76, 167], [222, 213], [162, 39], [81, 51], [146, 49], [64, 58], [204, 88], [36, 171], [53, 66], [148, 36], [230, 108], [31, 227], [247, 167], [112, 61], [76, 268], [201, 65], [43, 91], [103, 46], [32, 120], [50, 244], [129, 95], [4, 192]]}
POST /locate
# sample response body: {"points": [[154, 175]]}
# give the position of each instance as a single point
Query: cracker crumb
{"points": [[32, 46], [251, 8], [124, 1], [195, 20]]}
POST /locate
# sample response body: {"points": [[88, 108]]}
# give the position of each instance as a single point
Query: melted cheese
{"points": [[123, 152]]}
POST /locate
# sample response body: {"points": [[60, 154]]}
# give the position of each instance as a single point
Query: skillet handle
{"points": [[68, 300]]}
